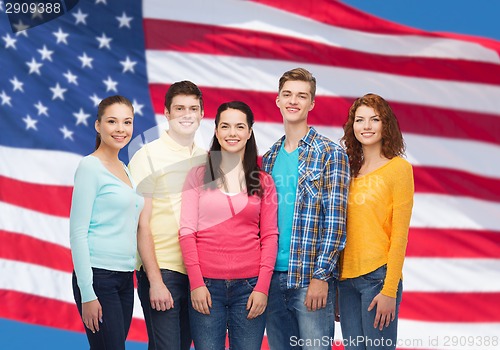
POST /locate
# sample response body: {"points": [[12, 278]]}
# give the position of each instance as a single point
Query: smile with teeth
{"points": [[119, 138], [368, 134], [186, 123], [232, 142]]}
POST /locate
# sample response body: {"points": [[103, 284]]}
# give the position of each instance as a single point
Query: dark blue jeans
{"points": [[290, 325], [167, 330], [228, 313], [355, 295], [115, 292]]}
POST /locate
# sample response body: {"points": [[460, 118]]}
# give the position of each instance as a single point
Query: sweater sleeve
{"points": [[268, 233], [84, 193], [401, 215], [189, 227]]}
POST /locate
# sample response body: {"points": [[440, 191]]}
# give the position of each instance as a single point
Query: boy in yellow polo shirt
{"points": [[160, 168]]}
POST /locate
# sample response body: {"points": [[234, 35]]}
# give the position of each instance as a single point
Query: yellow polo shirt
{"points": [[159, 169]]}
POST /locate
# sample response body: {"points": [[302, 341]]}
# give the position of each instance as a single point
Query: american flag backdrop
{"points": [[444, 88]]}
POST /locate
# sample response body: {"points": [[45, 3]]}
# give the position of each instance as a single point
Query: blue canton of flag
{"points": [[55, 74]]}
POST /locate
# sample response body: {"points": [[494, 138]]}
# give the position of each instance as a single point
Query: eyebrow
{"points": [[198, 106], [112, 116], [298, 93], [237, 124], [373, 116]]}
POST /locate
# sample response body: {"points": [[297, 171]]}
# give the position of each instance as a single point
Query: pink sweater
{"points": [[228, 236]]}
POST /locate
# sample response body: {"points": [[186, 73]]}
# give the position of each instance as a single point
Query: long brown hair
{"points": [[251, 169], [105, 103], [392, 140]]}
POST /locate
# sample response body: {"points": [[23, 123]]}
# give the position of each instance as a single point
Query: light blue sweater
{"points": [[103, 223]]}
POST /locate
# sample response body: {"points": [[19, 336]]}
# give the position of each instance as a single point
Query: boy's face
{"points": [[295, 101], [185, 115]]}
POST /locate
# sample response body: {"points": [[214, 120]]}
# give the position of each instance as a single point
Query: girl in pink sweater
{"points": [[228, 236]]}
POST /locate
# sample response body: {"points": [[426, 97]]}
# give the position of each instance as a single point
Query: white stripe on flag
{"points": [[251, 16], [260, 75], [43, 282], [47, 228], [451, 275]]}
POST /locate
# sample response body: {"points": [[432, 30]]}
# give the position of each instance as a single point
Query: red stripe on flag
{"points": [[341, 15], [453, 243], [214, 40], [36, 196], [53, 313], [19, 247], [455, 182], [65, 317], [446, 243], [332, 111], [30, 250], [450, 307], [338, 14]]}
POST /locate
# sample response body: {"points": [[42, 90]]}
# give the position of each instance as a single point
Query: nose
{"points": [[367, 125], [293, 99], [120, 127]]}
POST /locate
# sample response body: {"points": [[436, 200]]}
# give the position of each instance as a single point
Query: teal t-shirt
{"points": [[285, 175]]}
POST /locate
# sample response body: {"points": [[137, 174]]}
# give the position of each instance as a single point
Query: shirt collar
{"points": [[165, 137]]}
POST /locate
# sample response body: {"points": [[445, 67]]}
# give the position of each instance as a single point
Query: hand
{"points": [[257, 303], [92, 315], [386, 310], [317, 294], [160, 297], [201, 300]]}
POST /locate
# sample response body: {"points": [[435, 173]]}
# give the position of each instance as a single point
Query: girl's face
{"points": [[233, 131], [116, 126], [367, 126]]}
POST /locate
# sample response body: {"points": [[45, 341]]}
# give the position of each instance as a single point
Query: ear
{"points": [[250, 134], [277, 101], [166, 113], [312, 106], [97, 126]]}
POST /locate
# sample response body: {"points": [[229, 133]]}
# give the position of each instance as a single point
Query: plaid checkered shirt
{"points": [[319, 219]]}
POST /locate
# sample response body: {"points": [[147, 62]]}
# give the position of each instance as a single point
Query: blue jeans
{"points": [[115, 292], [290, 325], [355, 295], [167, 330], [228, 312]]}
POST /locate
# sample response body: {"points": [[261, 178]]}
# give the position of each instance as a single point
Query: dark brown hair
{"points": [[105, 103], [250, 167], [184, 87]]}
